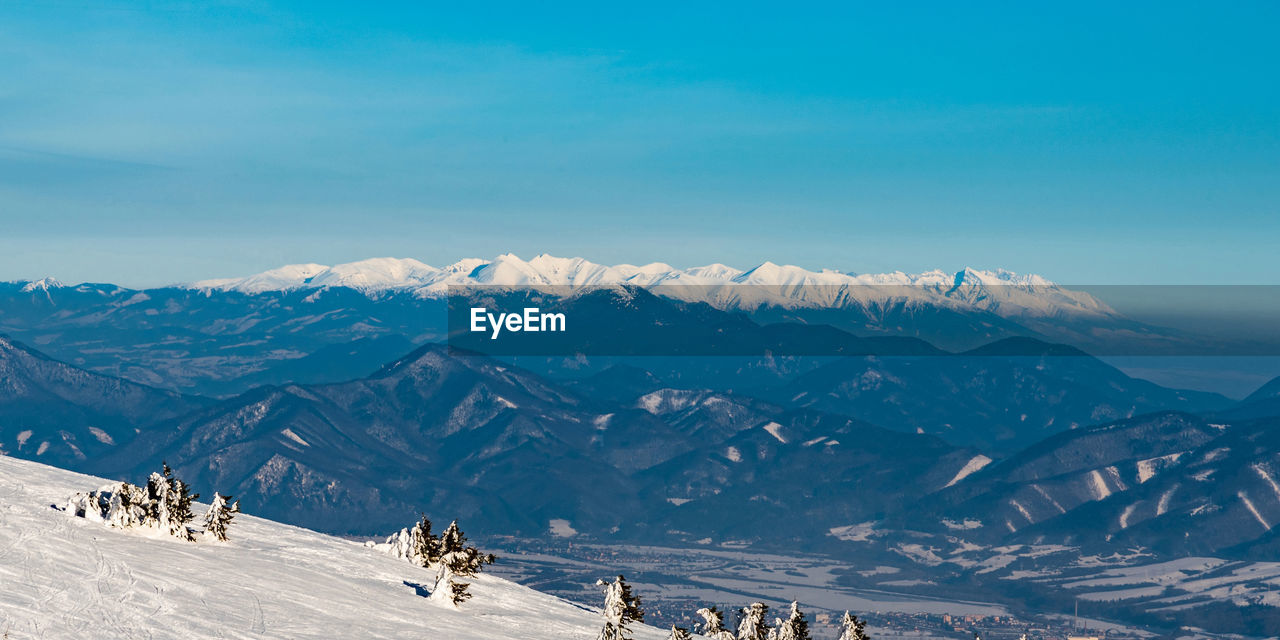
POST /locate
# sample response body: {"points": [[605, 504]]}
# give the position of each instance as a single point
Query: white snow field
{"points": [[66, 577]]}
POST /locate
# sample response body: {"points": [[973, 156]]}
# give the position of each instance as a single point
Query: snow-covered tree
{"points": [[455, 559], [127, 506], [679, 633], [164, 503], [851, 628], [416, 544], [426, 546], [713, 624], [168, 503], [621, 607], [449, 554], [795, 627], [448, 588], [753, 625], [219, 515], [461, 559]]}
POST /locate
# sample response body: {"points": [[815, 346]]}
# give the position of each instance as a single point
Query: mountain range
{"points": [[484, 438], [293, 324], [330, 400]]}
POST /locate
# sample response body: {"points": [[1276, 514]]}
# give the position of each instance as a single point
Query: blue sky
{"points": [[1090, 142]]}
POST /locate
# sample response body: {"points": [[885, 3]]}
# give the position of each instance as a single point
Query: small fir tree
{"points": [[795, 627], [425, 545], [713, 624], [851, 628], [453, 545], [679, 633], [168, 503], [448, 588], [462, 559], [457, 559], [753, 625], [621, 608], [218, 518]]}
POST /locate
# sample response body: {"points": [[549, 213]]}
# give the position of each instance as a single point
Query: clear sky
{"points": [[149, 143]]}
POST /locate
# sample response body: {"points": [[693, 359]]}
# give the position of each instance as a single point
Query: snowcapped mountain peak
{"points": [[375, 274], [1001, 277], [290, 276], [713, 272], [43, 284], [771, 283]]}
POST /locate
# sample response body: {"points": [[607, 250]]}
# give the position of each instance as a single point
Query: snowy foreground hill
{"points": [[67, 577]]}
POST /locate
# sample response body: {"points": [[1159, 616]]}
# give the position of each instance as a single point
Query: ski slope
{"points": [[67, 577]]}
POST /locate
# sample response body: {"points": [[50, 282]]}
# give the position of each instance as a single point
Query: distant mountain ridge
{"points": [[66, 415], [294, 324], [1002, 291], [430, 429], [508, 269]]}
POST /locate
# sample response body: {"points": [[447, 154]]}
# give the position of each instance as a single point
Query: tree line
{"points": [[163, 504], [622, 607], [448, 553]]}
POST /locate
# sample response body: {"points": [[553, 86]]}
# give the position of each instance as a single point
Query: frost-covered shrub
{"points": [[218, 518], [163, 505], [449, 554]]}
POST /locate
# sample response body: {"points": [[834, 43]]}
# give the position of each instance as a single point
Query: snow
{"points": [[1254, 510], [919, 553], [69, 578], [1203, 476], [1216, 454], [1123, 594], [1165, 573], [1023, 510], [733, 454], [1162, 507], [974, 465], [1207, 507], [1148, 468], [282, 279], [102, 436], [1183, 583], [1262, 473], [288, 433], [1001, 292], [43, 284], [1124, 516], [964, 525], [861, 532], [1045, 494], [561, 528], [773, 429], [1099, 485], [665, 401]]}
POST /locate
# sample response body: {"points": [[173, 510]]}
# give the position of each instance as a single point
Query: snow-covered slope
{"points": [[1003, 292], [67, 577]]}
